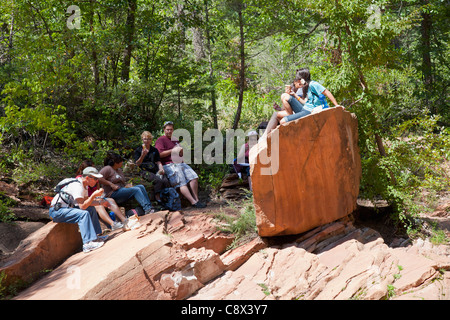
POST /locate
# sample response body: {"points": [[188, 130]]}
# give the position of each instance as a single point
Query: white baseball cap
{"points": [[92, 172]]}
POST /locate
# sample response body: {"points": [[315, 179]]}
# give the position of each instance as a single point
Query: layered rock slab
{"points": [[344, 263], [145, 263], [42, 250], [306, 173]]}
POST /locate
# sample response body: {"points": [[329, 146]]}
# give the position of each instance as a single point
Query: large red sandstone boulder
{"points": [[306, 173], [40, 251]]}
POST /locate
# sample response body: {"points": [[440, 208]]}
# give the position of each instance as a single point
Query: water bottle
{"points": [[112, 215]]}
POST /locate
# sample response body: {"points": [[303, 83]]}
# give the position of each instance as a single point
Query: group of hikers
{"points": [[87, 197], [92, 193]]}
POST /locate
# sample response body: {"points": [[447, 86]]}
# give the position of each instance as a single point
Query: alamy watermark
{"points": [[221, 148], [374, 21], [74, 21], [73, 281]]}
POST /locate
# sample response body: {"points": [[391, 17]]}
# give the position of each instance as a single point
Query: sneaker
{"points": [[152, 210], [92, 245], [199, 204], [116, 225]]}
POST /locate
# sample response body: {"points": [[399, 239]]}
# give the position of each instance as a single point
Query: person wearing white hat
{"points": [[81, 211]]}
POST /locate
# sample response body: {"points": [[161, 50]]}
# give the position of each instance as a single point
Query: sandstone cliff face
{"points": [[306, 173]]}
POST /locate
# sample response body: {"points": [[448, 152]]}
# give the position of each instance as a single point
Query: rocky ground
{"points": [[363, 256]]}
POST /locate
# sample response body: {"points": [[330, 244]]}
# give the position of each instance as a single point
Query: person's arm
{"points": [[161, 147], [165, 153], [105, 180], [301, 100], [140, 158], [84, 203], [113, 186], [160, 168], [330, 96], [168, 152]]}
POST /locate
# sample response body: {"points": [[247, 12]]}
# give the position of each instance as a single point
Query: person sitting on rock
{"points": [[114, 183], [148, 159], [111, 203], [295, 106], [242, 164], [82, 210], [180, 174]]}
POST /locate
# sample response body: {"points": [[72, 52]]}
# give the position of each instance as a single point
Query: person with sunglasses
{"points": [[81, 210]]}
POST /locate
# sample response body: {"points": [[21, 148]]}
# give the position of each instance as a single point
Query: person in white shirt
{"points": [[82, 211]]}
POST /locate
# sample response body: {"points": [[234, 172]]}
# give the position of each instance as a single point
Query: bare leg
{"points": [[104, 215], [194, 188], [273, 122], [115, 208], [187, 194]]}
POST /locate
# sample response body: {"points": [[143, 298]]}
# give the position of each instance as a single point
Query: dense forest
{"points": [[79, 78]]}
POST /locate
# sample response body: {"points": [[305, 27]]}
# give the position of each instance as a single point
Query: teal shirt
{"points": [[314, 90]]}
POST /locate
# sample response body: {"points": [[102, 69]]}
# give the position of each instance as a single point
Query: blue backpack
{"points": [[170, 199]]}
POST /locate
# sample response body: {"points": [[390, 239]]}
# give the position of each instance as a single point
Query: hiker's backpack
{"points": [[136, 211], [67, 198], [170, 199]]}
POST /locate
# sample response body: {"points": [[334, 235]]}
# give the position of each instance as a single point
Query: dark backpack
{"points": [[67, 198], [170, 199], [136, 211]]}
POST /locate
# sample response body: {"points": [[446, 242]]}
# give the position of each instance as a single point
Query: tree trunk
{"points": [[95, 71], [241, 71], [211, 69], [10, 40], [425, 29], [129, 37]]}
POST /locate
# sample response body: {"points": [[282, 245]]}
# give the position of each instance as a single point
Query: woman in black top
{"points": [[147, 158]]}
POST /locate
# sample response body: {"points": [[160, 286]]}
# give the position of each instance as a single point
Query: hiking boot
{"points": [[199, 204], [92, 245], [116, 225]]}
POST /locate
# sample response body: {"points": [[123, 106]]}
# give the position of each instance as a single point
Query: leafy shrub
{"points": [[416, 150]]}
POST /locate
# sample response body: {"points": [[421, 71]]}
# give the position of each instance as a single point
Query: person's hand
{"points": [[178, 150], [98, 193], [144, 150], [161, 172], [115, 187], [287, 89], [106, 204]]}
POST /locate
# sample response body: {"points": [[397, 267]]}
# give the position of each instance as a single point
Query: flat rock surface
{"points": [[176, 256]]}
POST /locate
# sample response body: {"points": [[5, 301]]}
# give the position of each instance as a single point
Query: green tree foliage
{"points": [[81, 82]]}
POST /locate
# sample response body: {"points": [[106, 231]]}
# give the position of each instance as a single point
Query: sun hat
{"points": [[92, 172]]}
